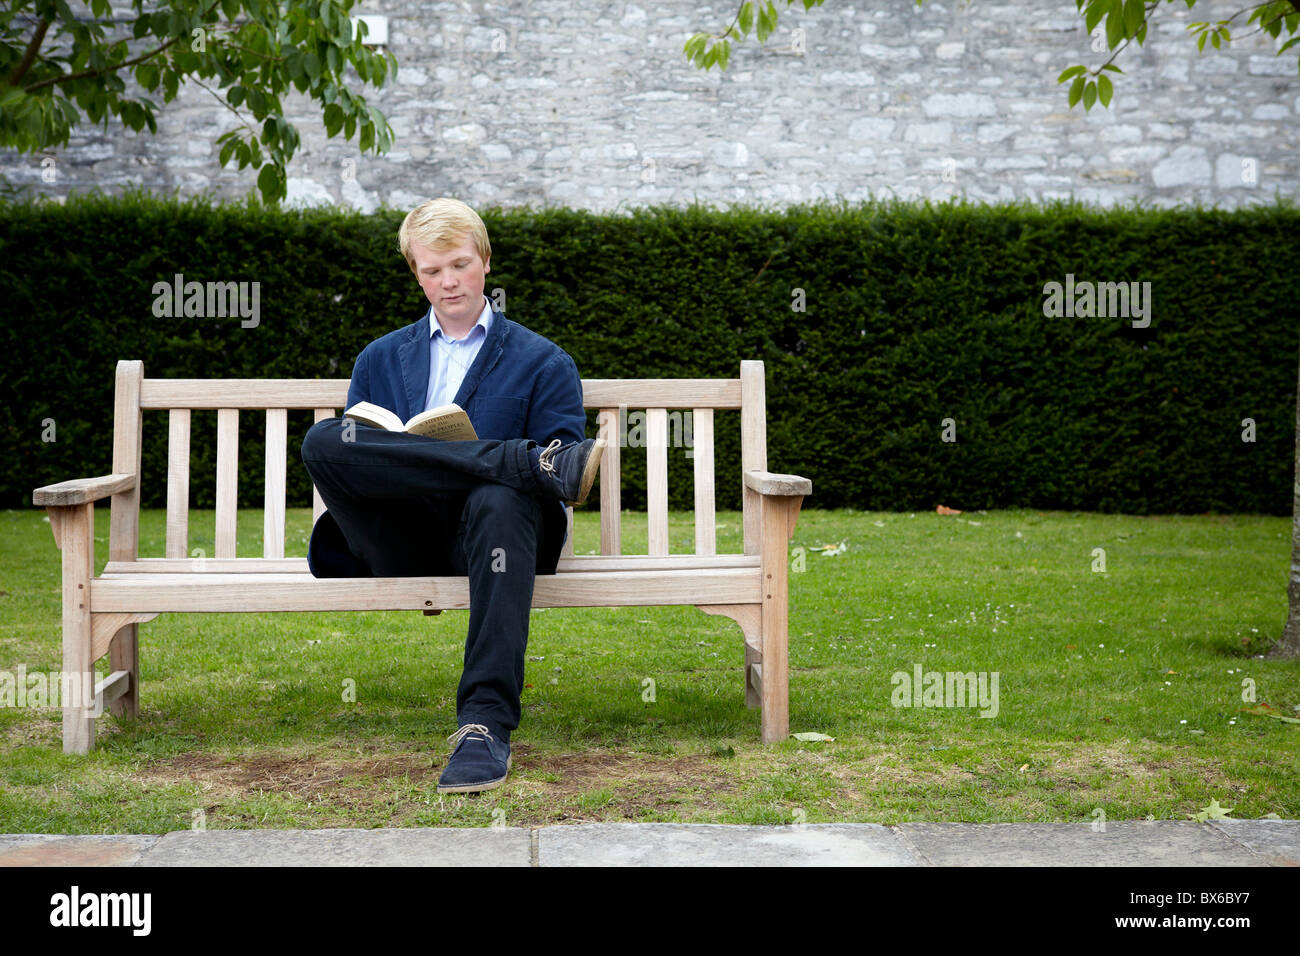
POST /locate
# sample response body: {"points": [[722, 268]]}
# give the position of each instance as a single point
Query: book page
{"points": [[371, 414], [447, 422]]}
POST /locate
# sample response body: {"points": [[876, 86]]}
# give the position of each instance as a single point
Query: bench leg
{"points": [[777, 517], [76, 538]]}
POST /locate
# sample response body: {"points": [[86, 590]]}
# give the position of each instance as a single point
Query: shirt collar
{"points": [[484, 320]]}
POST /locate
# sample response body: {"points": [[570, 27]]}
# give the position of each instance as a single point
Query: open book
{"points": [[448, 422]]}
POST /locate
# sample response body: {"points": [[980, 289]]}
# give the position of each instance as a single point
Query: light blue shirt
{"points": [[450, 359]]}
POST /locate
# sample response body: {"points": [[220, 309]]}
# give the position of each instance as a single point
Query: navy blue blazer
{"points": [[521, 385]]}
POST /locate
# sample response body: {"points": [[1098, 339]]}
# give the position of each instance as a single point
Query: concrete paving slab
{"points": [[1123, 843], [426, 846], [44, 849], [1276, 841], [704, 844]]}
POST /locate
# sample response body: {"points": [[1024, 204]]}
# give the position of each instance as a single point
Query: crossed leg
{"points": [[409, 505]]}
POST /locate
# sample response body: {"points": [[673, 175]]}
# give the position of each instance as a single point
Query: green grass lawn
{"points": [[1120, 691]]}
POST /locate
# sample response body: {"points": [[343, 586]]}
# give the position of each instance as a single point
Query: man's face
{"points": [[452, 281]]}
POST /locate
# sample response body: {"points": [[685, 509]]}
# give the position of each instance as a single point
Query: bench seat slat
{"points": [[146, 593]]}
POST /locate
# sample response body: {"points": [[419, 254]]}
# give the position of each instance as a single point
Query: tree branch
{"points": [[68, 77], [29, 57]]}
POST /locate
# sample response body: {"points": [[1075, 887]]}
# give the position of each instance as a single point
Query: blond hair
{"points": [[442, 224]]}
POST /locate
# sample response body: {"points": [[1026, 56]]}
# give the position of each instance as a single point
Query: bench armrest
{"points": [[770, 483], [79, 491]]}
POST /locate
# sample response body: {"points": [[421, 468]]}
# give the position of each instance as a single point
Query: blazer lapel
{"points": [[488, 355], [413, 355]]}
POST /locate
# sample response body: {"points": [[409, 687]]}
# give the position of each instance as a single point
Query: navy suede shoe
{"points": [[568, 471], [479, 762]]}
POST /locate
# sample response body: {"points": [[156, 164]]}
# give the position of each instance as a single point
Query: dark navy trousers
{"points": [[411, 506]]}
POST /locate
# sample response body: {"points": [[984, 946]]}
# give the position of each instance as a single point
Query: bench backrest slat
{"points": [[753, 445], [128, 446], [178, 482], [696, 398], [611, 505], [277, 456], [227, 480], [317, 505], [656, 450], [706, 539]]}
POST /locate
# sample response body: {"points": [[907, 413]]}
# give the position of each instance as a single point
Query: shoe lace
{"points": [[467, 729], [544, 459]]}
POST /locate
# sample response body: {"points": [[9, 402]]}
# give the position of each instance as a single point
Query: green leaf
{"points": [[1134, 15], [1076, 90], [1200, 42], [725, 56], [1214, 40], [1089, 95], [1114, 29], [746, 18], [1096, 10], [1104, 90], [333, 119], [1213, 812], [235, 96], [1071, 71], [269, 181], [1112, 67], [311, 63]]}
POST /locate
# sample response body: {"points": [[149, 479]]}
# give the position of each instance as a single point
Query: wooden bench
{"points": [[102, 614]]}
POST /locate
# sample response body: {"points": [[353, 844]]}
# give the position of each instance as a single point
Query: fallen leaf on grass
{"points": [[830, 550], [945, 510], [811, 735], [1264, 710], [1213, 812]]}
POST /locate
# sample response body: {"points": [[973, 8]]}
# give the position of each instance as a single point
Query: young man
{"points": [[406, 505]]}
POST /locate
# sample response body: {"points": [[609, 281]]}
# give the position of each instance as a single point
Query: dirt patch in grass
{"points": [[640, 784], [301, 776], [584, 772]]}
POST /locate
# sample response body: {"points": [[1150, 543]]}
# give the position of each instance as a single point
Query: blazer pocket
{"points": [[497, 416]]}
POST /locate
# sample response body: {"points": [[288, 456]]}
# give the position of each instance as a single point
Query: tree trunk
{"points": [[1289, 645]]}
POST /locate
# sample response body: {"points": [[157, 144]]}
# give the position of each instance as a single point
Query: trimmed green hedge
{"points": [[914, 314]]}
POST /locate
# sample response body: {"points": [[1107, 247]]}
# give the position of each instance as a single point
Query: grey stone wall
{"points": [[593, 105]]}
